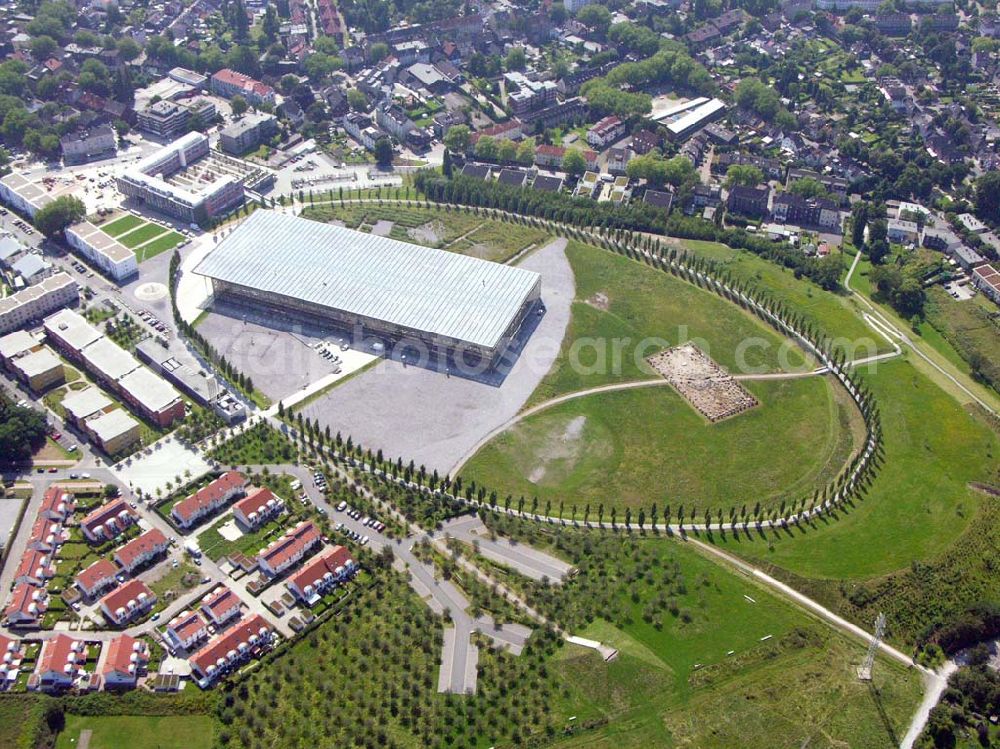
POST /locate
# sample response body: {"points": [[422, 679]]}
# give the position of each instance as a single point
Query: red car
{"points": [[55, 435]]}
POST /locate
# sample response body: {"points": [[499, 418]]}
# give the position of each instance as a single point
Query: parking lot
{"points": [[434, 418]]}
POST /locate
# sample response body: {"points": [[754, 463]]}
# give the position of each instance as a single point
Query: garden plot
{"points": [[704, 384]]}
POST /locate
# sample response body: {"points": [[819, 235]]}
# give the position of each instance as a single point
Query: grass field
{"points": [[155, 247], [632, 448], [139, 732], [142, 234], [122, 225], [645, 310], [971, 326], [20, 721], [836, 315], [919, 503]]}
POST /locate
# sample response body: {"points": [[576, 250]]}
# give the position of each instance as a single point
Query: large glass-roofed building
{"points": [[392, 289]]}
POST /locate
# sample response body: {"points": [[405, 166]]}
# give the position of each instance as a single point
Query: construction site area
{"points": [[713, 392]]}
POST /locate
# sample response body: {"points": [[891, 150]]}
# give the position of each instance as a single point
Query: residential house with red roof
{"points": [[221, 606], [140, 550], [59, 664], [35, 568], [96, 579], [321, 574], [124, 662], [551, 157], [187, 629], [108, 521], [210, 498], [229, 83], [289, 549], [130, 601], [26, 606], [259, 506], [237, 645], [57, 504]]}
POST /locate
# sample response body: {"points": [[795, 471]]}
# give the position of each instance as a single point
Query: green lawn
{"points": [[136, 237], [632, 448], [625, 311], [835, 314], [158, 245], [919, 503], [139, 732], [122, 225], [215, 546]]}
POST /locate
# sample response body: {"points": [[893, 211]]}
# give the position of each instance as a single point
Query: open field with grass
{"points": [[20, 721], [919, 503], [834, 314], [142, 234], [122, 225], [645, 310], [972, 327], [139, 732], [633, 448], [161, 244]]}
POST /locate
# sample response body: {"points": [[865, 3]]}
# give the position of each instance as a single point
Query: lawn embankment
{"points": [[139, 732], [625, 311]]}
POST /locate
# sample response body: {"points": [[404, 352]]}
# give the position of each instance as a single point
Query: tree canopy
{"points": [[22, 431], [60, 213]]}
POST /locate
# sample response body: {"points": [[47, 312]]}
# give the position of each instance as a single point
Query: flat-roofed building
{"points": [[14, 344], [114, 431], [986, 278], [196, 200], [32, 304], [247, 132], [209, 499], [39, 370], [141, 550], [108, 521], [131, 601], [81, 404], [108, 361], [109, 255], [89, 144], [692, 120], [151, 396], [440, 300], [69, 332]]}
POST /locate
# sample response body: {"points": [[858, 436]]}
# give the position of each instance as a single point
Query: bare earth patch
{"points": [[566, 446], [708, 387], [430, 233], [600, 301]]}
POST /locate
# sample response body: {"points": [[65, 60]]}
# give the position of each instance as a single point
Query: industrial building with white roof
{"points": [[449, 302]]}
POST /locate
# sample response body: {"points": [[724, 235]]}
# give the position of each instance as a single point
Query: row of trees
{"points": [[636, 216]]}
